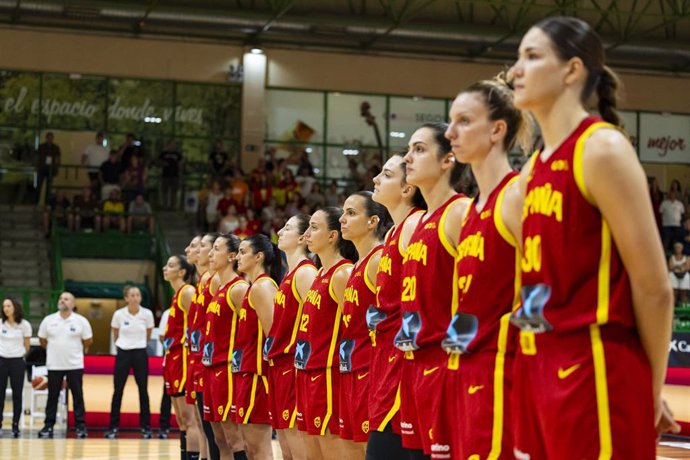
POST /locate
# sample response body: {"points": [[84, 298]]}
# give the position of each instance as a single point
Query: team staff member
{"points": [[426, 306], [15, 333], [484, 126], [317, 337], [219, 339], [279, 348], [405, 205], [66, 336], [365, 223], [178, 272], [596, 302], [132, 326], [260, 260]]}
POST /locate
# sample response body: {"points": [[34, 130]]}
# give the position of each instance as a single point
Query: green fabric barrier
{"points": [[94, 290]]}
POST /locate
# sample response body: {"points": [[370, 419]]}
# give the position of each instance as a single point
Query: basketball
{"points": [[40, 382]]}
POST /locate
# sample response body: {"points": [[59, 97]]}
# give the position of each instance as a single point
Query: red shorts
{"points": [[281, 392], [384, 393], [594, 386], [354, 408], [218, 391], [175, 371], [191, 383], [250, 399], [473, 418], [317, 401], [420, 381]]}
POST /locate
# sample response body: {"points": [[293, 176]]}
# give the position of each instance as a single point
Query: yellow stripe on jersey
{"points": [[498, 216], [391, 413], [330, 282], [578, 169], [602, 392], [604, 275], [499, 382], [300, 304], [441, 229], [252, 399], [367, 281], [183, 380], [233, 329], [329, 400], [402, 224]]}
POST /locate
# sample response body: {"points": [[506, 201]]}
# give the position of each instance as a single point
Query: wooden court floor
{"points": [[97, 448]]}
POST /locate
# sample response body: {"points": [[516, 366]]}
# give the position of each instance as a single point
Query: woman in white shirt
{"points": [[132, 326], [15, 333]]}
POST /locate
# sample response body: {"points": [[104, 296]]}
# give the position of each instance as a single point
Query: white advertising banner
{"points": [[629, 121], [664, 138]]}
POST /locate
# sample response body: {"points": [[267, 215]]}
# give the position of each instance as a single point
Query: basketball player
{"points": [[178, 271], [317, 336], [484, 126], [405, 205], [596, 302], [280, 343], [219, 337], [365, 223], [257, 258], [428, 281]]}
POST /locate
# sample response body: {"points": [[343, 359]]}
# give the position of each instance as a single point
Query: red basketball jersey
{"points": [[485, 278], [246, 354], [360, 295], [572, 273], [197, 318], [221, 323], [427, 283], [287, 312], [176, 327], [384, 319], [318, 332]]}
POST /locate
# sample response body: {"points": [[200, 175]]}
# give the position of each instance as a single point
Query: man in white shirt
{"points": [[672, 211], [66, 336], [94, 156]]}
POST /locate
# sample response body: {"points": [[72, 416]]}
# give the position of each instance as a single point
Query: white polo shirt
{"points": [[12, 339], [132, 328], [65, 350]]}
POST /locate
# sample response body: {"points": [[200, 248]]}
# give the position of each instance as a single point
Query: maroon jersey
{"points": [[485, 278], [572, 273], [176, 327], [318, 332], [246, 354], [287, 312], [360, 294], [383, 319], [427, 282], [221, 322]]}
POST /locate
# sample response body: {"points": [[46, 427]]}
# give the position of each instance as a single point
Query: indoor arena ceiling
{"points": [[650, 35]]}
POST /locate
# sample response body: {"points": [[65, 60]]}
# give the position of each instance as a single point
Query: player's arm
{"points": [[304, 278], [339, 281], [261, 298], [408, 229], [454, 218], [511, 210], [186, 297], [373, 266], [237, 294], [617, 185]]}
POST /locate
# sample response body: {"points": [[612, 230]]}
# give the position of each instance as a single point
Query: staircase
{"points": [[178, 229], [25, 263]]}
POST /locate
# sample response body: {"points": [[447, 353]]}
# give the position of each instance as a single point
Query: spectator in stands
{"points": [[47, 165], [278, 189], [93, 157], [109, 174], [332, 196], [114, 211], [86, 211], [217, 160], [15, 333], [134, 179], [140, 215], [292, 208], [230, 220], [291, 186], [242, 231], [260, 185], [657, 197], [58, 206], [686, 236], [672, 211], [316, 199], [171, 163], [240, 189], [131, 148], [253, 224], [213, 198], [678, 266], [305, 180], [66, 336], [304, 163], [267, 214]]}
